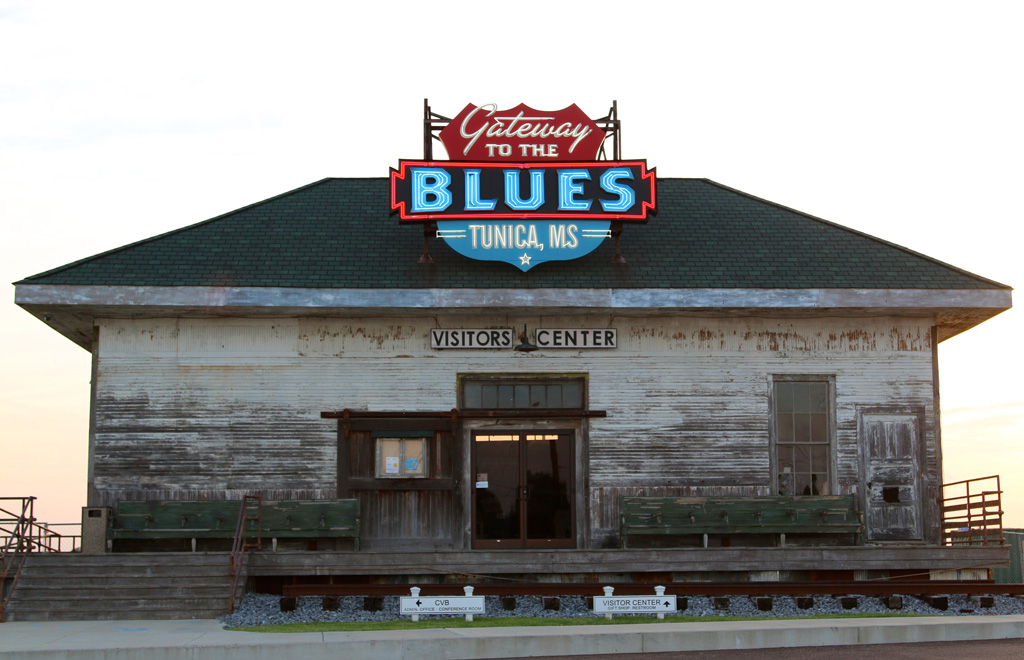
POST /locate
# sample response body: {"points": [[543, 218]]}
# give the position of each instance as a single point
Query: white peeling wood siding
{"points": [[212, 408]]}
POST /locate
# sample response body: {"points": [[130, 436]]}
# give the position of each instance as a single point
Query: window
{"points": [[803, 433], [512, 394], [401, 458]]}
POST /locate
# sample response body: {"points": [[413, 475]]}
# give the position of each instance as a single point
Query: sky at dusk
{"points": [[123, 120]]}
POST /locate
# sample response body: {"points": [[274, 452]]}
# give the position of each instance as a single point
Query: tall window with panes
{"points": [[803, 432]]}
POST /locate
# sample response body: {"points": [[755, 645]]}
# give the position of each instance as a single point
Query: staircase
{"points": [[164, 585]]}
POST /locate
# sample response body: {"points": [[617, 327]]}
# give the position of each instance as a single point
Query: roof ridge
{"points": [[857, 232], [172, 232]]}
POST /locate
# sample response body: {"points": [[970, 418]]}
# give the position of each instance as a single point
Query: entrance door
{"points": [[523, 489], [892, 457]]}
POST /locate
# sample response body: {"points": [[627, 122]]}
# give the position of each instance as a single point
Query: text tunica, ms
{"points": [[522, 236]]}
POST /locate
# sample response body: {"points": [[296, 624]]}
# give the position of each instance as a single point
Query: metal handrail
{"points": [[16, 546], [21, 535], [973, 516], [240, 545]]}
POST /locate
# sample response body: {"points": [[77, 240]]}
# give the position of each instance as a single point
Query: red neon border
{"points": [[402, 172]]}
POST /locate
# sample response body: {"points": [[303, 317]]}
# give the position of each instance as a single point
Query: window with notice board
{"points": [[402, 456]]}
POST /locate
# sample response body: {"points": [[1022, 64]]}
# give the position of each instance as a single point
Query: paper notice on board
{"points": [[391, 465]]}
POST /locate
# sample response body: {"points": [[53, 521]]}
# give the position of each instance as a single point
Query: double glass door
{"points": [[523, 489]]}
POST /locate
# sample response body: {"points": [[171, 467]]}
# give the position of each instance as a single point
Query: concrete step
{"points": [[121, 586], [113, 615], [33, 581], [99, 592], [126, 605], [130, 559], [165, 571]]}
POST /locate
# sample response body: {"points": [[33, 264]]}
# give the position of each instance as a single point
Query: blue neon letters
{"points": [[430, 190], [512, 199], [568, 188], [610, 183], [473, 201]]}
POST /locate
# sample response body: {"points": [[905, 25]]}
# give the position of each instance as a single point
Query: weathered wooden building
{"points": [[296, 349]]}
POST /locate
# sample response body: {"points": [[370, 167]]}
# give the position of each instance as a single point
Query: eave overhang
{"points": [[73, 310]]}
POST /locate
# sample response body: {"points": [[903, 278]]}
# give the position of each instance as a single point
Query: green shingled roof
{"points": [[338, 233]]}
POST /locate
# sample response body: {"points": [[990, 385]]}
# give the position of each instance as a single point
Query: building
{"points": [[299, 348]]}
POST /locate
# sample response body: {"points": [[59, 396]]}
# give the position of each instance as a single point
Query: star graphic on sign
{"points": [[525, 260]]}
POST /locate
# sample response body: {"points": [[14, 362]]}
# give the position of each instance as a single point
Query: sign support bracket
{"points": [[429, 230]]}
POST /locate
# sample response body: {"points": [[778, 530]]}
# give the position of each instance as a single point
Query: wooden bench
{"points": [[218, 519], [777, 515]]}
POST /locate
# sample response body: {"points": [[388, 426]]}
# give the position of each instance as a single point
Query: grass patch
{"points": [[508, 622]]}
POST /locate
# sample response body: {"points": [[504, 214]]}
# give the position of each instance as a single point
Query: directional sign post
{"points": [[416, 605], [657, 604], [634, 604]]}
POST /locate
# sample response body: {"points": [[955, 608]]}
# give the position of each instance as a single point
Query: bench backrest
{"points": [[217, 515], [740, 513], [304, 515], [220, 517]]}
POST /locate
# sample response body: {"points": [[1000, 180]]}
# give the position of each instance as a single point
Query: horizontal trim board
{"points": [[287, 301]]}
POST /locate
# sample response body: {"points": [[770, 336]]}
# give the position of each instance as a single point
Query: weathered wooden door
{"points": [[891, 451], [523, 490]]}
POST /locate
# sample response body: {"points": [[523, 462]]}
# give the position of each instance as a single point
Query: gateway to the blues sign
{"points": [[532, 196]]}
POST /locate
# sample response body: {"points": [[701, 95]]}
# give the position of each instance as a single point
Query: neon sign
{"points": [[622, 190], [523, 186]]}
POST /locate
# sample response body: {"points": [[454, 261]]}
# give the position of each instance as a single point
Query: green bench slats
{"points": [[298, 518], [669, 516], [218, 519], [173, 519]]}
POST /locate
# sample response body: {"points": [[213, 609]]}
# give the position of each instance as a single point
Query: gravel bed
{"points": [[264, 609]]}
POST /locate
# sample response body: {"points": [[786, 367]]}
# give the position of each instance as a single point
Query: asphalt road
{"points": [[1001, 649]]}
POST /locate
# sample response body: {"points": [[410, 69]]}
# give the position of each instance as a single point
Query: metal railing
{"points": [[21, 535], [972, 512], [252, 509]]}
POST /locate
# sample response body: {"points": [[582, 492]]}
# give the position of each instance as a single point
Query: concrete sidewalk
{"points": [[204, 638]]}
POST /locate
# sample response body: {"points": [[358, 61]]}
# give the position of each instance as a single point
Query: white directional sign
{"points": [[634, 604], [442, 605]]}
